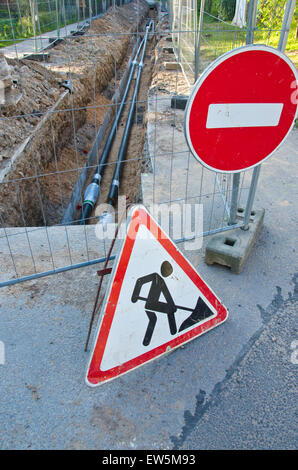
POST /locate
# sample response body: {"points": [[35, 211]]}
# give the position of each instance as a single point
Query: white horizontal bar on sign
{"points": [[243, 115]]}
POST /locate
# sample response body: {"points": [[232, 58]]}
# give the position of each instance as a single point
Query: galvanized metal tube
{"points": [[251, 21], [201, 20], [251, 197], [32, 277], [286, 25], [234, 200]]}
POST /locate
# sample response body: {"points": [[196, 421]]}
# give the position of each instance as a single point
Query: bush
{"points": [[223, 10], [7, 32]]}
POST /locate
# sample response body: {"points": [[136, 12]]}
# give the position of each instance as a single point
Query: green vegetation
{"points": [[269, 21], [14, 27], [222, 9], [25, 29], [219, 37]]}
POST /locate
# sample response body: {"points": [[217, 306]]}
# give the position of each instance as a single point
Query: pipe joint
{"points": [[92, 191]]}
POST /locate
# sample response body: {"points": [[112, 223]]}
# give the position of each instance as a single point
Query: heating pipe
{"points": [[92, 190], [114, 189]]}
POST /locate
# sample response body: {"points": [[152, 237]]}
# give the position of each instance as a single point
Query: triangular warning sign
{"points": [[155, 302]]}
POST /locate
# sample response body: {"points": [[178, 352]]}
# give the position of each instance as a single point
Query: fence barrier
{"points": [[65, 67]]}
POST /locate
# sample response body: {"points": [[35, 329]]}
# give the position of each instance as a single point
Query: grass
{"points": [[7, 37], [219, 37]]}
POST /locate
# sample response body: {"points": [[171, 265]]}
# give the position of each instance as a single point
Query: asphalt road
{"points": [[256, 406]]}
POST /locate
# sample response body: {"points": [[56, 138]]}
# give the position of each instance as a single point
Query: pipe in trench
{"points": [[114, 189], [92, 190]]}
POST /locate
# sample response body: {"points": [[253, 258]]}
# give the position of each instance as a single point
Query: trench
{"points": [[42, 182]]}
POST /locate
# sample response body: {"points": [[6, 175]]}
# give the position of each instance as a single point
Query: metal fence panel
{"points": [[60, 109], [204, 30]]}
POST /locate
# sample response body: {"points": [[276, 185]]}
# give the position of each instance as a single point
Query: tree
{"points": [[222, 9], [270, 14]]}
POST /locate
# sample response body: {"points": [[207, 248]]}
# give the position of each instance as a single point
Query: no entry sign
{"points": [[241, 108], [155, 302]]}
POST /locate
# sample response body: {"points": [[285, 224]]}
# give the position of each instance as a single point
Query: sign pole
{"points": [[251, 20], [57, 19], [284, 34], [234, 200], [251, 23], [251, 196], [199, 38]]}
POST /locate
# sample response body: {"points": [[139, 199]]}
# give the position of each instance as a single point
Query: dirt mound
{"points": [[92, 59], [39, 90], [52, 118]]}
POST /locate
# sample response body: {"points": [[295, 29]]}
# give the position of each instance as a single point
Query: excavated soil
{"points": [[93, 63], [40, 90]]}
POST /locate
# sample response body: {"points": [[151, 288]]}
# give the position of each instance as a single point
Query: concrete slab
{"points": [[232, 248], [172, 66]]}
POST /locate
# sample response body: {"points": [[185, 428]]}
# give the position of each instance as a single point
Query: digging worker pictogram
{"points": [[153, 304]]}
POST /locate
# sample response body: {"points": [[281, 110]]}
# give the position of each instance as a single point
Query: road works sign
{"points": [[241, 108], [155, 302]]}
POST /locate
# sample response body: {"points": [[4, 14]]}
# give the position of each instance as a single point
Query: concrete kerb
{"points": [[233, 247]]}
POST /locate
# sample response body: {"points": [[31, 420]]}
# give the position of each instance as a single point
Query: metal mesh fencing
{"points": [[23, 19], [204, 30], [62, 100]]}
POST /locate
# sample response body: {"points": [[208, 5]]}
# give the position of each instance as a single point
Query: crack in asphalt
{"points": [[203, 404]]}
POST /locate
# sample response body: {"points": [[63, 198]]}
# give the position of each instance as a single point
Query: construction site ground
{"points": [[52, 131]]}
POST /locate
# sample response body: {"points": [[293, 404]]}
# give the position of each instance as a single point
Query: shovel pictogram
{"points": [[152, 303]]}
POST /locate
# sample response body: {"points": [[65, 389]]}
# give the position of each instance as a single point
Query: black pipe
{"points": [[108, 144], [114, 189], [91, 193]]}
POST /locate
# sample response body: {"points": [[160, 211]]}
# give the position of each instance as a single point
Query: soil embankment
{"points": [[44, 142]]}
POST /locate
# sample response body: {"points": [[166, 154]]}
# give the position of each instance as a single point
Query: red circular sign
{"points": [[241, 108]]}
